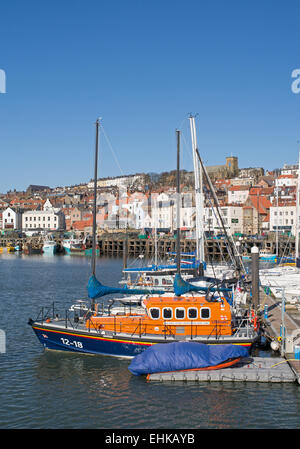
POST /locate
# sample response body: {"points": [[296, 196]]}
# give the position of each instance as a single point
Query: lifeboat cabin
{"points": [[170, 315]]}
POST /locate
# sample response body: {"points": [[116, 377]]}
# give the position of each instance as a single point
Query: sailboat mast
{"points": [[297, 212], [178, 203], [198, 195], [95, 200], [231, 248]]}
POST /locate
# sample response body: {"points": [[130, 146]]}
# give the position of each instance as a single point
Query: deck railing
{"points": [[168, 330]]}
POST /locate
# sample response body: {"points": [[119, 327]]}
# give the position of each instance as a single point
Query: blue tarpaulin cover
{"points": [[181, 287], [96, 289], [164, 357]]}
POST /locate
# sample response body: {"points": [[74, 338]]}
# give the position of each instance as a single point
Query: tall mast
{"points": [[198, 195], [155, 233], [178, 203], [95, 201], [232, 247], [297, 212], [277, 252]]}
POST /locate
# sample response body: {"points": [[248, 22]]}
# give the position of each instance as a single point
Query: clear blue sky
{"points": [[143, 66]]}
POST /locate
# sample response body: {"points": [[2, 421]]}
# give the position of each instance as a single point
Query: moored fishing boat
{"points": [[73, 246], [196, 313], [77, 247], [49, 247]]}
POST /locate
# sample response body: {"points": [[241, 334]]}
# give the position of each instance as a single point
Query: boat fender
{"points": [[48, 320], [255, 324]]}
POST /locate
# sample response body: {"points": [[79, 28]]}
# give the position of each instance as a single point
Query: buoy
{"points": [[275, 345]]}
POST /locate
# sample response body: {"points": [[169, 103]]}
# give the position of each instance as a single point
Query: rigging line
{"points": [[225, 241], [112, 150]]}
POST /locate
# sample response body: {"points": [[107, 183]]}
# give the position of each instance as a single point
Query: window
{"points": [[205, 312], [167, 313], [154, 312], [192, 313], [180, 313]]}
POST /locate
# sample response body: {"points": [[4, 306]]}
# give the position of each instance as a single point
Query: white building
{"points": [[11, 219], [121, 181], [238, 194], [289, 169], [49, 218], [286, 180], [283, 218], [232, 219]]}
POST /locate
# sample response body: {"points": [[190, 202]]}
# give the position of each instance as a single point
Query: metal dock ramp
{"points": [[252, 369]]}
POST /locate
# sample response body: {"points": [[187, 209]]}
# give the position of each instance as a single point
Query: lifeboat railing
{"points": [[51, 313]]}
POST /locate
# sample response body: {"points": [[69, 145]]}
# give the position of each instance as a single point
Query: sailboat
{"points": [[285, 276], [189, 313]]}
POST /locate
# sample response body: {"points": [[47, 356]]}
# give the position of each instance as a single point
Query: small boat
{"points": [[49, 247], [263, 256], [78, 247], [73, 246], [183, 356]]}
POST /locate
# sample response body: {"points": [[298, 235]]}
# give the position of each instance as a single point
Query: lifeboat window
{"points": [[180, 313], [156, 281], [163, 281], [154, 312], [205, 312], [167, 313], [192, 313]]}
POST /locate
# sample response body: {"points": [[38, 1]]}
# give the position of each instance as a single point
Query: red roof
{"points": [[235, 188], [287, 176], [261, 203]]}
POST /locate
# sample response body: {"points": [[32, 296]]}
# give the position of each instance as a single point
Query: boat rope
{"points": [[283, 361], [112, 150]]}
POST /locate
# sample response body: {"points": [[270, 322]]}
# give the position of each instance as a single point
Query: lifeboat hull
{"points": [[91, 342]]}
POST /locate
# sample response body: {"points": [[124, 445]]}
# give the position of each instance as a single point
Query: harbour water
{"points": [[55, 390]]}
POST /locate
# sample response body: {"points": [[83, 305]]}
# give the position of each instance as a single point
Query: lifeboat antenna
{"points": [[178, 203]]}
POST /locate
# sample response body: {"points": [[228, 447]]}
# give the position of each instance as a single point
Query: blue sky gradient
{"points": [[143, 66]]}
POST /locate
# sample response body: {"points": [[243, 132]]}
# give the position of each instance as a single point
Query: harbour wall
{"points": [[115, 245]]}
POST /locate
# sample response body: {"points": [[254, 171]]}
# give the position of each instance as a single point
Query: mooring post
{"points": [[255, 276]]}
